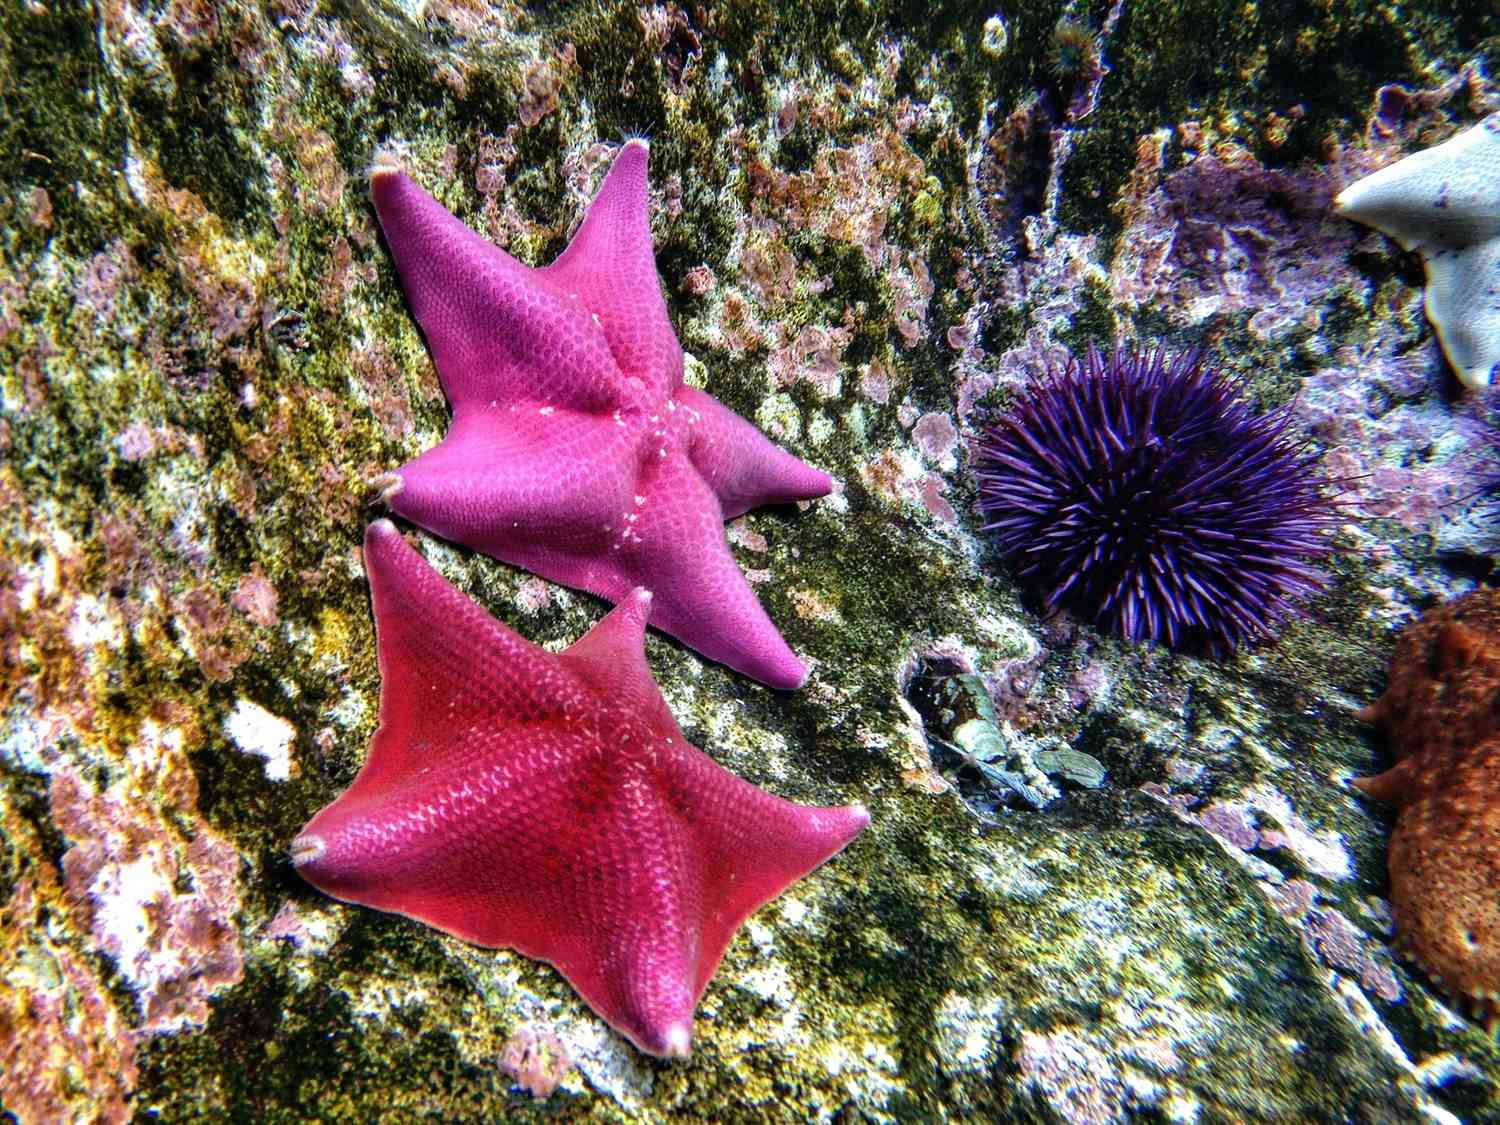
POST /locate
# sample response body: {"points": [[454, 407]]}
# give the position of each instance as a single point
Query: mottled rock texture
{"points": [[873, 222]]}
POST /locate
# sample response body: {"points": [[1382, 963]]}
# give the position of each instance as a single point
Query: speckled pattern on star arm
{"points": [[576, 451], [550, 804]]}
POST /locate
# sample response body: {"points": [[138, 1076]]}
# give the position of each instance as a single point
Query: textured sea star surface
{"points": [[576, 450], [1445, 202], [549, 803], [1439, 712]]}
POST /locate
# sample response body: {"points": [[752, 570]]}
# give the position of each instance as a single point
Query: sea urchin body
{"points": [[1143, 493]]}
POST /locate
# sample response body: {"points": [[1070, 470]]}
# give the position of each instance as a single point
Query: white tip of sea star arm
{"points": [[677, 1043], [388, 485], [307, 848], [386, 161]]}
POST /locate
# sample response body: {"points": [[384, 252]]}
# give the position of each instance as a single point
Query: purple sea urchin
{"points": [[1141, 492]]}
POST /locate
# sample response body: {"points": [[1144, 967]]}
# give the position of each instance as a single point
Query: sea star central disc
{"points": [[549, 803], [576, 450]]}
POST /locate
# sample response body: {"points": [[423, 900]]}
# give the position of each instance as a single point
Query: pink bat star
{"points": [[576, 451], [549, 803]]}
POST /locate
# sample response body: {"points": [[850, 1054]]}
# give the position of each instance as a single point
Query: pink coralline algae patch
{"points": [[811, 606], [161, 905], [1225, 234], [536, 1060], [847, 192], [106, 275], [1231, 823], [741, 534], [846, 195], [1078, 1077], [316, 172], [207, 630], [65, 1053], [288, 926], [39, 208], [141, 441], [256, 598], [383, 382], [1402, 119], [876, 382], [699, 280], [1392, 452], [542, 83], [936, 437], [1336, 941], [1342, 946], [933, 491], [326, 41], [533, 595], [902, 480], [813, 356]]}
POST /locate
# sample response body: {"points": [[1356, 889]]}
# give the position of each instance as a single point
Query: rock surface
{"points": [[873, 223]]}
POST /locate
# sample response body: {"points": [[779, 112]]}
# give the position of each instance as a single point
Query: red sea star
{"points": [[549, 803], [576, 450]]}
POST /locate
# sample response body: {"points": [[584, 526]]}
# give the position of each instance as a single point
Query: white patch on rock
{"points": [[122, 895], [350, 711], [967, 1033], [25, 742], [608, 1063], [1322, 853], [770, 982], [256, 731], [91, 624]]}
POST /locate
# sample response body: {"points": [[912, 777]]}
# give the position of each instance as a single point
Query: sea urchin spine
{"points": [[1143, 493]]}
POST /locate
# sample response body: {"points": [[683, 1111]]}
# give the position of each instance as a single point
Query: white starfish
{"points": [[1445, 202]]}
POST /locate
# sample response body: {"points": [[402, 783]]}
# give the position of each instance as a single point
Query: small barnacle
{"points": [[286, 328], [1074, 51], [995, 37]]}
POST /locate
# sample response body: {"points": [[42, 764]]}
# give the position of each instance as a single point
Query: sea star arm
{"points": [[712, 859], [754, 845], [430, 638], [740, 464], [1445, 202], [677, 546], [612, 657], [519, 482], [610, 265], [1463, 303], [1393, 787], [496, 329], [444, 844], [637, 964]]}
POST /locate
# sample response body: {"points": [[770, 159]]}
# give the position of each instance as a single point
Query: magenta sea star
{"points": [[576, 450]]}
